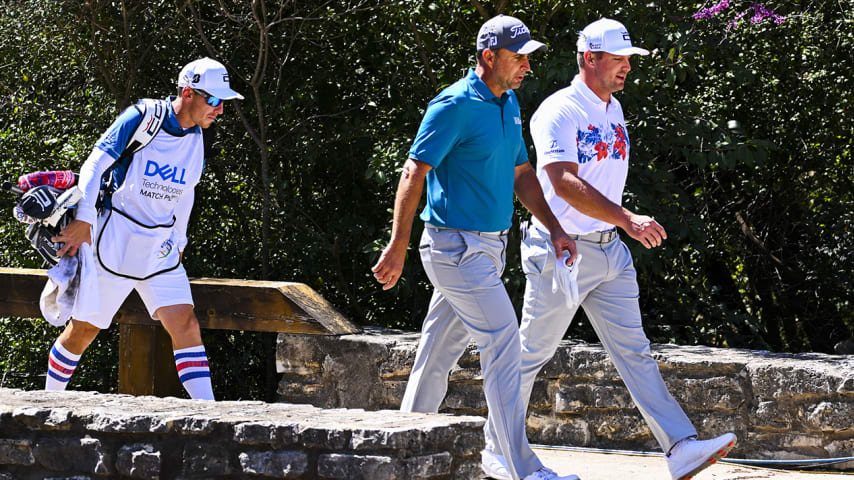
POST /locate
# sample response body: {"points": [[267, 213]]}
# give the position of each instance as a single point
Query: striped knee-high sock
{"points": [[194, 372], [60, 366]]}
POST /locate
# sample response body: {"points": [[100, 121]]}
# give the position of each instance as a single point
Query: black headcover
{"points": [[40, 202], [40, 236], [53, 210]]}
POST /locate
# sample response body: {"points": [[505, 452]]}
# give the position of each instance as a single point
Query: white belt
{"points": [[605, 236], [434, 227]]}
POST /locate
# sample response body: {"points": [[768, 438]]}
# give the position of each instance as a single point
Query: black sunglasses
{"points": [[210, 99]]}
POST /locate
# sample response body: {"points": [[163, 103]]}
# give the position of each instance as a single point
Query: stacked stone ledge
{"points": [[785, 407], [88, 436]]}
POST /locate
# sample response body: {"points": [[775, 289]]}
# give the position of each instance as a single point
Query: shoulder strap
{"points": [[153, 114]]}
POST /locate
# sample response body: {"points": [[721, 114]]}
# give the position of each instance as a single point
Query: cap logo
{"points": [[225, 77], [554, 148], [196, 78], [626, 37], [594, 46], [517, 30], [493, 41]]}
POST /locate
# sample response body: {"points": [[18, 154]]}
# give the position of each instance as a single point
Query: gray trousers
{"points": [[608, 289], [470, 301]]}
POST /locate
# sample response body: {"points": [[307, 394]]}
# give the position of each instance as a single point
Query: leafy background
{"points": [[741, 147]]}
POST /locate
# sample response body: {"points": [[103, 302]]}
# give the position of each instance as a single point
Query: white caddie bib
{"points": [[136, 237], [130, 249]]}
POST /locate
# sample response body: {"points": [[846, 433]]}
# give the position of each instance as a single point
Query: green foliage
{"points": [[740, 148]]}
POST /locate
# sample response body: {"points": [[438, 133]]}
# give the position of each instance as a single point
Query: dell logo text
{"points": [[165, 172]]}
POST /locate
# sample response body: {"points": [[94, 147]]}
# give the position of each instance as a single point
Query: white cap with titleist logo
{"points": [[208, 75], [606, 35]]}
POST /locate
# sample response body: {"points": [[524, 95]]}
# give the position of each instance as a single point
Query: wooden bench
{"points": [[146, 364]]}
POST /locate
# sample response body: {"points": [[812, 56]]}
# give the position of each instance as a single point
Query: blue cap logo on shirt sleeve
{"points": [[554, 148]]}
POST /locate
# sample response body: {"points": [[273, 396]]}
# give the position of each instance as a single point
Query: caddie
{"points": [[148, 162]]}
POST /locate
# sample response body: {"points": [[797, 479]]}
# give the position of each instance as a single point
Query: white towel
{"points": [[566, 279], [71, 289]]}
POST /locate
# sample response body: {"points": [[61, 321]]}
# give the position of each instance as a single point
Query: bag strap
{"points": [[153, 113]]}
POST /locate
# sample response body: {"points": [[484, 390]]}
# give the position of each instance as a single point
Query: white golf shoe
{"points": [[690, 456], [549, 474], [494, 466]]}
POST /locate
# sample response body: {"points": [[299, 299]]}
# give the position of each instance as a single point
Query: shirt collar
{"points": [[587, 93], [482, 90], [171, 122]]}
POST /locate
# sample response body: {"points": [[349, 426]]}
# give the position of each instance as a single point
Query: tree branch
{"points": [[423, 54], [482, 11], [746, 230]]}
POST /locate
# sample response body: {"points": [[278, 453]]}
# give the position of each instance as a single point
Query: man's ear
{"points": [[187, 93], [489, 57]]}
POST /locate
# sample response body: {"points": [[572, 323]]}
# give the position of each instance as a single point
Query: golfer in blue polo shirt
{"points": [[470, 149]]}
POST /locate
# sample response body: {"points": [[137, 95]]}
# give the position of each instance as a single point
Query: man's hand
{"points": [[75, 234], [390, 265], [562, 242], [646, 230]]}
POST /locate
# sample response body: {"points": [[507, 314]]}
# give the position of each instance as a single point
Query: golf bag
{"points": [[47, 204]]}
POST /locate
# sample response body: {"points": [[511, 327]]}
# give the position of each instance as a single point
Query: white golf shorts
{"points": [[166, 289]]}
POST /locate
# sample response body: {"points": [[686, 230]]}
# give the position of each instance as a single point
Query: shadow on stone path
{"points": [[602, 466]]}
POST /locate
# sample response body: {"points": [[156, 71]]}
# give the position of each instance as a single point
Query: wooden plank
{"points": [[234, 307], [20, 289], [166, 381], [147, 365], [318, 308], [226, 304]]}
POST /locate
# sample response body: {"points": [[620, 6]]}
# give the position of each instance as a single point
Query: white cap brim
{"points": [[526, 47], [225, 93], [630, 51]]}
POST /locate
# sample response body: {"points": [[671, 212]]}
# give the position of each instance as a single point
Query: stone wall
{"points": [[88, 436], [780, 406]]}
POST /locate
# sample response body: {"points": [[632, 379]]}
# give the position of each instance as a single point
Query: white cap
{"points": [[209, 76], [606, 35]]}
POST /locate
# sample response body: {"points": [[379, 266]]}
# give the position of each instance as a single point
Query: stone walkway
{"points": [[601, 466]]}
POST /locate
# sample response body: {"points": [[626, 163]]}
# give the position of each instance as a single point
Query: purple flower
{"points": [[733, 24], [704, 13], [712, 11], [760, 13]]}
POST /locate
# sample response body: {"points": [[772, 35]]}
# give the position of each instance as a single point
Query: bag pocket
{"points": [[130, 249]]}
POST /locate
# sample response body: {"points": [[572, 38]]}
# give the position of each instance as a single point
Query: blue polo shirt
{"points": [[473, 141]]}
